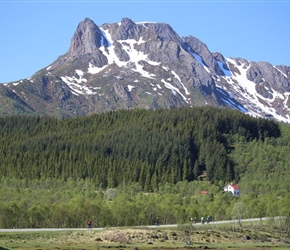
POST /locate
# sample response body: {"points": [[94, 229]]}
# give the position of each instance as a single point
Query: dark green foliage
{"points": [[123, 147]]}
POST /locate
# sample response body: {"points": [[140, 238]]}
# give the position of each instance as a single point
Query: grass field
{"points": [[182, 237]]}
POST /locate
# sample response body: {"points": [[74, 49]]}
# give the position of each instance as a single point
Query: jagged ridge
{"points": [[146, 65]]}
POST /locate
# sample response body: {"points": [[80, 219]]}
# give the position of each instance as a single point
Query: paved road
{"points": [[18, 230], [101, 228]]}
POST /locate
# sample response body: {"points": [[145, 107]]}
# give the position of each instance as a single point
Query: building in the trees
{"points": [[234, 189], [203, 192]]}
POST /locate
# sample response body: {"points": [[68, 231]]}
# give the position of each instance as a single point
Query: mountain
{"points": [[129, 65]]}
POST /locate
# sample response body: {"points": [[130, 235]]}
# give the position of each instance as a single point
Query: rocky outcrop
{"points": [[87, 40], [199, 48]]}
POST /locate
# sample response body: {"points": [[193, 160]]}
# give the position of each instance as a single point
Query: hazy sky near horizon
{"points": [[35, 33]]}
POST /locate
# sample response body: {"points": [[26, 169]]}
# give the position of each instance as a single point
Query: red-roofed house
{"points": [[234, 189]]}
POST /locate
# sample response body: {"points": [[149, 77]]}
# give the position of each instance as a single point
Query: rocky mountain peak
{"points": [[86, 39], [127, 22], [147, 65]]}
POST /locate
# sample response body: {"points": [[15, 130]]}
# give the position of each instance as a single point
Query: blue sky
{"points": [[35, 33]]}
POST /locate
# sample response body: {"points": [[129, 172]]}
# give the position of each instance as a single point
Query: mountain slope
{"points": [[146, 65]]}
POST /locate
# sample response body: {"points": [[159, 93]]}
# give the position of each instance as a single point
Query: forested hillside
{"points": [[148, 147], [130, 167]]}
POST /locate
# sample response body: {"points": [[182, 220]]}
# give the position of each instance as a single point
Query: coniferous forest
{"points": [[128, 167]]}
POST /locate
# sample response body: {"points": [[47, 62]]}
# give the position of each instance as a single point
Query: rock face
{"points": [[146, 65], [86, 42]]}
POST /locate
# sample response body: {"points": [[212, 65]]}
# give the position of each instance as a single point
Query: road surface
{"points": [[19, 230]]}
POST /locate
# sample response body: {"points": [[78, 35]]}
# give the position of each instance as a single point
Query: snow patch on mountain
{"points": [[144, 23], [229, 100], [130, 87], [94, 70], [244, 89], [178, 78], [199, 59], [165, 68], [76, 84], [128, 46], [174, 90]]}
